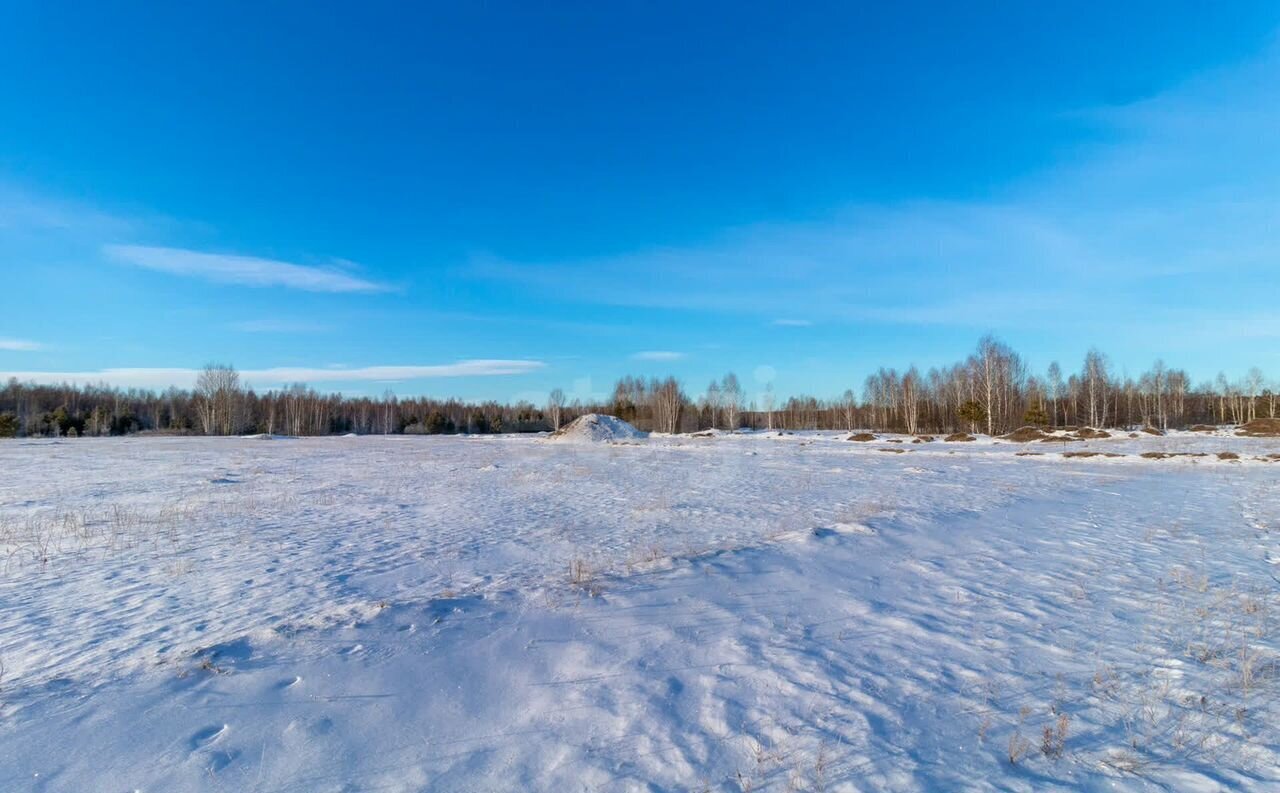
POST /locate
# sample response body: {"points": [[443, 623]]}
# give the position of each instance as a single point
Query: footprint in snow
{"points": [[322, 726], [207, 736], [843, 528], [220, 760]]}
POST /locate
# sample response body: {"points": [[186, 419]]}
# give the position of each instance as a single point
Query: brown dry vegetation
{"points": [[1026, 435], [959, 437], [1089, 433], [861, 437], [1260, 428]]}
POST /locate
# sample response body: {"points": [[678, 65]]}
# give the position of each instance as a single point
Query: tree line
{"points": [[992, 391]]}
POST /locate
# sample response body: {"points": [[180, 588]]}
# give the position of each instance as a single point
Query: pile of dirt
{"points": [[923, 439], [1204, 428], [596, 428], [1228, 456], [1026, 435], [1089, 433], [1260, 428], [959, 437], [1152, 431], [861, 437], [895, 451]]}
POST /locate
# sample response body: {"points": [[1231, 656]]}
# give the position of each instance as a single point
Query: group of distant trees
{"points": [[991, 391]]}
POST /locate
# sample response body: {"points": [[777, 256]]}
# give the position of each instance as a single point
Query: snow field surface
{"points": [[753, 611]]}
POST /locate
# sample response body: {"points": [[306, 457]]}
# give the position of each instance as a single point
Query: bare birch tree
{"points": [[555, 406]]}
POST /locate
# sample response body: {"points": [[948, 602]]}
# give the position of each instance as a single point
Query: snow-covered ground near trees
{"points": [[728, 613]]}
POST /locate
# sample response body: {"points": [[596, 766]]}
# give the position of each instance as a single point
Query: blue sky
{"points": [[489, 200]]}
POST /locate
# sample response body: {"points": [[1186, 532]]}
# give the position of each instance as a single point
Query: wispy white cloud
{"points": [[278, 326], [242, 270], [265, 378], [792, 323], [657, 355], [1172, 209], [25, 212], [20, 345]]}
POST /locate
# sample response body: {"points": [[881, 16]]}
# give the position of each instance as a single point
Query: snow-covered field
{"points": [[728, 613]]}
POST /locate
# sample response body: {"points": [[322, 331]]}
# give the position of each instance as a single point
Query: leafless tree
{"points": [[218, 394], [667, 401], [1253, 385], [849, 409], [711, 402], [1095, 377], [1054, 385], [731, 398], [911, 386], [555, 406], [388, 412]]}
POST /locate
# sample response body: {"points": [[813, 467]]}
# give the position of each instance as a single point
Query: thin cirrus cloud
{"points": [[186, 378], [20, 345], [240, 270], [657, 355]]}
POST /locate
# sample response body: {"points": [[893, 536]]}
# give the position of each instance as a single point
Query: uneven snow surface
{"points": [[728, 613]]}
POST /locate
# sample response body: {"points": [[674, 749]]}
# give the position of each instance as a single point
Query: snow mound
{"points": [[596, 428]]}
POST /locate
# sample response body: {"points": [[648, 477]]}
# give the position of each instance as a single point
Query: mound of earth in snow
{"points": [[597, 428], [1089, 434], [1026, 435], [1260, 428]]}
